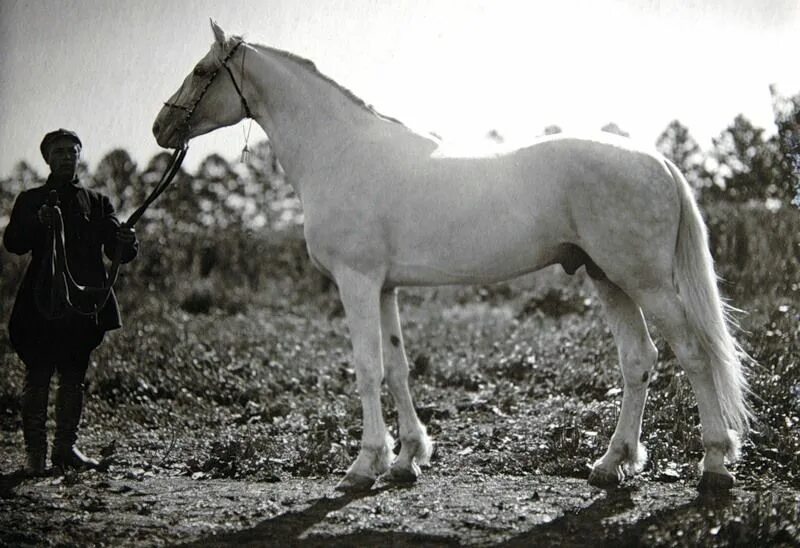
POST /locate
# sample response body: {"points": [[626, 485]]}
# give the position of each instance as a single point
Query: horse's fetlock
{"points": [[631, 456], [417, 445], [726, 448], [373, 461], [410, 443], [634, 457]]}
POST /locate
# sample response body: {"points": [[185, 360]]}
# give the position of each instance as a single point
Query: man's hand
{"points": [[126, 235], [46, 214]]}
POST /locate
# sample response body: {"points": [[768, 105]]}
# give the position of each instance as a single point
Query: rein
{"points": [[64, 291], [65, 294]]}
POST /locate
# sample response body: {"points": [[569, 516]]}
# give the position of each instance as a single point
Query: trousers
{"points": [[64, 346]]}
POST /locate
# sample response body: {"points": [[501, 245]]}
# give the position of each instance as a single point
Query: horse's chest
{"points": [[350, 240], [319, 264], [317, 248]]}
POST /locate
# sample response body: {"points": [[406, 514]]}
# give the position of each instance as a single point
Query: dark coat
{"points": [[90, 228]]}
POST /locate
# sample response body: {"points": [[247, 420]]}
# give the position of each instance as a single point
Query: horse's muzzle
{"points": [[168, 137]]}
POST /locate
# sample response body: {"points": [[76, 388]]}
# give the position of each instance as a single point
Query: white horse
{"points": [[382, 211]]}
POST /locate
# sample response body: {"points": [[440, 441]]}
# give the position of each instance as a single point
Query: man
{"points": [[63, 344]]}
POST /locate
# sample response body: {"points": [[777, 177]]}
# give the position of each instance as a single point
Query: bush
{"points": [[756, 249]]}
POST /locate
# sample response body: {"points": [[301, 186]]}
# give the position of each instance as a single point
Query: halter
{"points": [[189, 110]]}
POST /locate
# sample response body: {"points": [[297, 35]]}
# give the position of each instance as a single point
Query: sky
{"points": [[459, 68]]}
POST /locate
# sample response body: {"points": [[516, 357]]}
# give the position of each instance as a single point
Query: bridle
{"points": [[63, 293], [189, 109]]}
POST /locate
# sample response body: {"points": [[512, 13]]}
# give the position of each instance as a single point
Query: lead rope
{"points": [[63, 285]]}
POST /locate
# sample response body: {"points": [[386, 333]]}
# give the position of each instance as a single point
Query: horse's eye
{"points": [[200, 71]]}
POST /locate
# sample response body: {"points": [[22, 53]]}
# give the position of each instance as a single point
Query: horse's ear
{"points": [[219, 34]]}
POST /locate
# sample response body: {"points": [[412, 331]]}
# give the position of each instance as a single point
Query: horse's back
{"points": [[609, 196], [435, 219]]}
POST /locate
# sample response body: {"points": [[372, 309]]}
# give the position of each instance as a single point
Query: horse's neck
{"points": [[310, 122]]}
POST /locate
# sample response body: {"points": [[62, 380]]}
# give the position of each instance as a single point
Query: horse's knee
{"points": [[397, 377], [369, 380]]}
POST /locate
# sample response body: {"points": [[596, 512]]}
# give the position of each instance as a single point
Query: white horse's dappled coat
{"points": [[383, 209]]}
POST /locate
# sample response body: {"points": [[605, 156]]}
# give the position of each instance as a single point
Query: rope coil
{"points": [[64, 293]]}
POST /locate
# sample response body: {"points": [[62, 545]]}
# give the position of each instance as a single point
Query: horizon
{"points": [[605, 66]]}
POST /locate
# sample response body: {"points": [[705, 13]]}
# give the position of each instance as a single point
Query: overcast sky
{"points": [[459, 68]]}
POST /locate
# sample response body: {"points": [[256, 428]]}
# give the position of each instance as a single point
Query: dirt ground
{"points": [[125, 506], [233, 430]]}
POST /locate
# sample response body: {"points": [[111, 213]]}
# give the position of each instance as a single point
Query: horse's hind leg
{"points": [[667, 309], [416, 446], [361, 299], [637, 356]]}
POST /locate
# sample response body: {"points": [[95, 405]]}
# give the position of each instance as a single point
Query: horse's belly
{"points": [[429, 275], [466, 260]]}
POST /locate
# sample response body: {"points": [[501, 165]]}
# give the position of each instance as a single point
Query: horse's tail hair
{"points": [[708, 315]]}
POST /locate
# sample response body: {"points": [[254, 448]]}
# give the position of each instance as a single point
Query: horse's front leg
{"points": [[416, 446], [360, 296]]}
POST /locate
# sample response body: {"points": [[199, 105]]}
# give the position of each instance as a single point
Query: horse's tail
{"points": [[707, 314]]}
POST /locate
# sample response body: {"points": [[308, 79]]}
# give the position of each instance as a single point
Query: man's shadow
{"points": [[286, 529], [8, 482]]}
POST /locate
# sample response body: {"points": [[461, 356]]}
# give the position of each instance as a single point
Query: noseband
{"points": [[189, 110]]}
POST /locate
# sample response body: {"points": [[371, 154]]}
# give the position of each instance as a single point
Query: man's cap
{"points": [[50, 138]]}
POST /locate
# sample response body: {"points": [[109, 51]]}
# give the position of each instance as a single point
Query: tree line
{"points": [[218, 195], [745, 164]]}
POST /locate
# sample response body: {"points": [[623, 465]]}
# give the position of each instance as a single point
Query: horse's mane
{"points": [[311, 67]]}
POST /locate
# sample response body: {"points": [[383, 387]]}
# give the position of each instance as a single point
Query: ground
{"points": [[441, 510], [229, 423]]}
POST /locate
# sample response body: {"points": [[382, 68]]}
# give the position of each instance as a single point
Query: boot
{"points": [[34, 427], [69, 405]]}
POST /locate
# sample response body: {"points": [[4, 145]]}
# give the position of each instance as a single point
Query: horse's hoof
{"points": [[355, 483], [715, 481], [602, 478], [397, 474]]}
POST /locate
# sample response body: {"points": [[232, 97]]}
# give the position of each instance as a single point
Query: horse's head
{"points": [[208, 98]]}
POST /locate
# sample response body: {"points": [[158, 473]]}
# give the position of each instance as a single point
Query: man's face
{"points": [[63, 157]]}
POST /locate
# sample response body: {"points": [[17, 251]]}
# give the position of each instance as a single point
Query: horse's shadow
{"points": [[585, 528], [576, 528], [286, 529], [581, 527]]}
